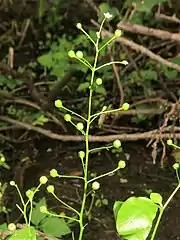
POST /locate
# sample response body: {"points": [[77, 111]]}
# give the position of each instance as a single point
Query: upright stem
{"points": [[81, 218], [162, 211]]}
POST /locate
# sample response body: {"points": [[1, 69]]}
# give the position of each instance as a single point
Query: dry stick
{"points": [[120, 87], [33, 105], [172, 18], [109, 138], [139, 48], [138, 29]]}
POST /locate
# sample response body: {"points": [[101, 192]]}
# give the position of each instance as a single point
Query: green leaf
{"points": [[40, 120], [46, 60], [156, 198], [101, 90], [83, 87], [149, 75], [28, 233], [38, 216], [54, 226], [116, 208], [135, 217], [3, 227], [176, 60], [169, 73]]}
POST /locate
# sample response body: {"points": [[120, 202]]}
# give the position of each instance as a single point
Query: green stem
{"points": [[100, 148], [109, 63], [65, 204], [162, 210], [81, 218], [103, 175]]}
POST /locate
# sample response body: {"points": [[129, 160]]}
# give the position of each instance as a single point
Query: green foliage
{"points": [[54, 226], [9, 83], [49, 225], [134, 217], [28, 233], [144, 6]]}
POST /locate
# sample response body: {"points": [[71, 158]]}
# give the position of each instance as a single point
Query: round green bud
{"points": [[62, 214], [43, 180], [58, 103], [43, 209], [79, 25], [12, 183], [2, 158], [125, 106], [121, 164], [169, 142], [48, 35], [54, 173], [50, 189], [30, 194], [81, 154], [118, 33], [71, 54], [117, 143], [80, 126], [99, 81], [95, 185], [98, 34], [79, 54], [11, 227], [67, 117], [104, 108], [176, 166]]}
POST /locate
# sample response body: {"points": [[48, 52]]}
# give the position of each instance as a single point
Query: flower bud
{"points": [[43, 209], [43, 180], [125, 106], [108, 15], [79, 25], [29, 194], [124, 62], [176, 166], [118, 33], [54, 173], [81, 154], [79, 54], [169, 142], [50, 189], [11, 227], [99, 81], [58, 103], [12, 183], [67, 117], [117, 143], [95, 185], [71, 54], [121, 164], [80, 126]]}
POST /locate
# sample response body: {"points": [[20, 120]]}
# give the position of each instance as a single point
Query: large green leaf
{"points": [[28, 233], [37, 215], [54, 226], [135, 217]]}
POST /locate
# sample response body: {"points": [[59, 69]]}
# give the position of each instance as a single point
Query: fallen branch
{"points": [[165, 35], [154, 134]]}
